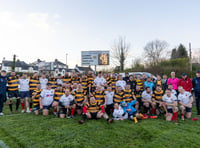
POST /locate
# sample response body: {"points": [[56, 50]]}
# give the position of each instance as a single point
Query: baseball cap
{"points": [[183, 74], [198, 71]]}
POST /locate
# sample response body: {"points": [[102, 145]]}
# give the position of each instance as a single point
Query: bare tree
{"points": [[154, 51], [120, 51]]}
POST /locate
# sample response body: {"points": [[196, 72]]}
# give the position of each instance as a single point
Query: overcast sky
{"points": [[48, 29]]}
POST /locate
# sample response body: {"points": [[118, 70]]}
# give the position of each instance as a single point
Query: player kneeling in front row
{"points": [[66, 103], [46, 99], [170, 105], [185, 99], [147, 102], [130, 110], [118, 113], [93, 110]]}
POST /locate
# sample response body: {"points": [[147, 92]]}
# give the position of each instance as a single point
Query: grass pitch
{"points": [[27, 130]]}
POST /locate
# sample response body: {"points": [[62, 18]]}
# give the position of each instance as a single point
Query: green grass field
{"points": [[27, 130]]}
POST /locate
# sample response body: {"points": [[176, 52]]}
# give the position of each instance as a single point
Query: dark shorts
{"points": [[62, 110], [47, 106], [24, 94], [79, 107], [13, 94], [187, 109], [170, 110], [37, 107], [93, 115]]}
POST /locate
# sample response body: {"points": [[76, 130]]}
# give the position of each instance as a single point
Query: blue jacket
{"points": [[196, 84], [149, 84], [130, 106], [3, 82]]}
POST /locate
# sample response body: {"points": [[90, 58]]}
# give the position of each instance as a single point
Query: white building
{"points": [[20, 66]]}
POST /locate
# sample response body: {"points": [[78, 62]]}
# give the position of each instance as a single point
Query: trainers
{"points": [[1, 114], [72, 117], [28, 111], [55, 113], [182, 118], [23, 111]]}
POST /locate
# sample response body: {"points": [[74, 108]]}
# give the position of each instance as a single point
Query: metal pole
{"points": [[66, 60], [95, 69]]}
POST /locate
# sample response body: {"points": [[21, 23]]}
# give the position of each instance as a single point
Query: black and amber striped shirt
{"points": [[113, 83], [140, 83], [138, 95], [34, 81], [67, 79], [75, 80], [159, 82], [57, 94], [99, 96], [53, 83], [79, 95], [90, 79], [128, 95], [93, 107], [108, 80], [13, 83], [37, 96], [157, 95], [84, 83], [118, 97]]}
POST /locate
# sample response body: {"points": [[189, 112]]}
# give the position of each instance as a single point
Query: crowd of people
{"points": [[105, 95]]}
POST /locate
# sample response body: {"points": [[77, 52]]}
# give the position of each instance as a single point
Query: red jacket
{"points": [[186, 84]]}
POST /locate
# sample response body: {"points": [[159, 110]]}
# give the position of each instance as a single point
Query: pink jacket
{"points": [[174, 82]]}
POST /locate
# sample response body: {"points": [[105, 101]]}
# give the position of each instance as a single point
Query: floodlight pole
{"points": [[95, 69]]}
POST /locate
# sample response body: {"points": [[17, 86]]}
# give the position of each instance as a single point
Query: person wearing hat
{"points": [[185, 82], [196, 87]]}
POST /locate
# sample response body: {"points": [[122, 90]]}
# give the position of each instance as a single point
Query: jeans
{"points": [[2, 98], [197, 97]]}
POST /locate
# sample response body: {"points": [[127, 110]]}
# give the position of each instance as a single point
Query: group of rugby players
{"points": [[106, 95]]}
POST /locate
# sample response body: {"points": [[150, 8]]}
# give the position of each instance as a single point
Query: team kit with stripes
{"points": [[105, 95]]}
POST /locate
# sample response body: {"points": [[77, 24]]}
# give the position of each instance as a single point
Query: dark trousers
{"points": [[197, 97], [2, 98], [109, 109]]}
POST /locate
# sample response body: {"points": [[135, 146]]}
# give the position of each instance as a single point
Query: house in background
{"points": [[20, 66], [56, 67]]}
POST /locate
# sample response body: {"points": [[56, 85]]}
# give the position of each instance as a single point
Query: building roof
{"points": [[85, 69], [21, 64]]}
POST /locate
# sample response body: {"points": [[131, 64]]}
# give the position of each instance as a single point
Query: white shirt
{"points": [[99, 81], [146, 96], [185, 97], [118, 113], [47, 96], [174, 92], [121, 83], [59, 81], [109, 96], [23, 85], [65, 100], [169, 100], [43, 83]]}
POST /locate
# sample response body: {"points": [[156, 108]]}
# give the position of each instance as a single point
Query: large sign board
{"points": [[95, 58]]}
